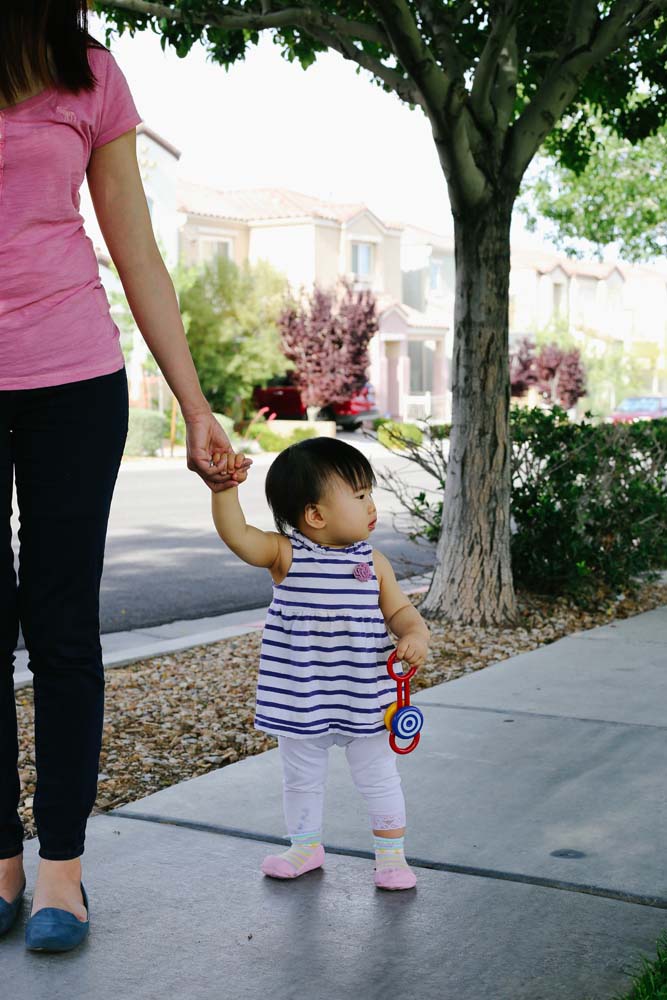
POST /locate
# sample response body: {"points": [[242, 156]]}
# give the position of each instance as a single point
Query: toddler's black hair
{"points": [[301, 474]]}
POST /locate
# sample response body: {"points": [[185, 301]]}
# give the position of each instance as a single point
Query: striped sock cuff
{"points": [[311, 839], [389, 853], [388, 843]]}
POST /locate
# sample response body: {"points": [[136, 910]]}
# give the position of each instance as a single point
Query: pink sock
{"points": [[391, 869]]}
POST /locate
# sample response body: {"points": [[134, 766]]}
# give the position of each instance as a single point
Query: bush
{"points": [[589, 503], [270, 441], [394, 435], [146, 431]]}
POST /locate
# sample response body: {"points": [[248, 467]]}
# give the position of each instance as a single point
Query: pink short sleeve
{"points": [[116, 110]]}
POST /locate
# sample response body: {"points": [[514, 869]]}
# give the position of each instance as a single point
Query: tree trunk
{"points": [[472, 582]]}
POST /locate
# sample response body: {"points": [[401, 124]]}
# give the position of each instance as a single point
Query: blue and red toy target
{"points": [[403, 720]]}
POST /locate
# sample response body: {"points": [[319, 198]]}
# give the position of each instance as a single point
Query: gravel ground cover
{"points": [[173, 717]]}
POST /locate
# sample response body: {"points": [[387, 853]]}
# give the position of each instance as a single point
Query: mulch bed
{"points": [[173, 717]]}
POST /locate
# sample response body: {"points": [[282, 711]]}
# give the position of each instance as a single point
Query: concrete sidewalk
{"points": [[537, 810]]}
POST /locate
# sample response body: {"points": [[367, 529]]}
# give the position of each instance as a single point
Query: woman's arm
{"points": [[120, 205]]}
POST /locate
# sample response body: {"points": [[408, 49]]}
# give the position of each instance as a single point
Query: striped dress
{"points": [[323, 661]]}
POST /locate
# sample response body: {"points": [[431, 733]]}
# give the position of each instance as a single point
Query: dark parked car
{"points": [[284, 399], [640, 408]]}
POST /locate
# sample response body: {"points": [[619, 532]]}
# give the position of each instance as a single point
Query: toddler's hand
{"points": [[235, 466], [412, 648]]}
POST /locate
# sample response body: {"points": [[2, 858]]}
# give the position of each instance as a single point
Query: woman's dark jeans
{"points": [[63, 445]]}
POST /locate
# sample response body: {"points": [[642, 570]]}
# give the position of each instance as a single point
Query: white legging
{"points": [[374, 772]]}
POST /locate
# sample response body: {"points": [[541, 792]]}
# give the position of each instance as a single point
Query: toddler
{"points": [[322, 675]]}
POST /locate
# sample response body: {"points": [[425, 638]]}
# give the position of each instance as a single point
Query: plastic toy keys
{"points": [[402, 719]]}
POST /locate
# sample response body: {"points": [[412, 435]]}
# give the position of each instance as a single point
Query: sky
{"points": [[326, 132]]}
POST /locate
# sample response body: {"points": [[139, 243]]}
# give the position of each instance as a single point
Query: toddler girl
{"points": [[323, 676]]}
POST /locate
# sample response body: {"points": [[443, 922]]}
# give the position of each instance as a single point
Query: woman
{"points": [[66, 111]]}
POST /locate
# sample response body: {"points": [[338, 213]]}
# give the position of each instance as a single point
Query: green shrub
{"points": [[589, 503], [146, 431], [379, 421], [394, 435], [438, 432], [270, 441]]}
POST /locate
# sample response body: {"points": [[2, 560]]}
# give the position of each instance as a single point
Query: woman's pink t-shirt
{"points": [[55, 325]]}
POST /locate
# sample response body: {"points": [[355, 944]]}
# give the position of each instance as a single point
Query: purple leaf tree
{"points": [[558, 374], [326, 336], [522, 368]]}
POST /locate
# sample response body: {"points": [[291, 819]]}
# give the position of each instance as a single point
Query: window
{"points": [[211, 249], [421, 354], [362, 260], [442, 274], [558, 299]]}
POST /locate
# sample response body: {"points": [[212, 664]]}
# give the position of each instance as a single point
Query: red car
{"points": [[284, 399], [640, 408]]}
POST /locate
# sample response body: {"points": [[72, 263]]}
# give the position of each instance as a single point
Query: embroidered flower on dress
{"points": [[363, 572]]}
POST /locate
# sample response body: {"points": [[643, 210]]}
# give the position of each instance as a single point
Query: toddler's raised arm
{"points": [[254, 546]]}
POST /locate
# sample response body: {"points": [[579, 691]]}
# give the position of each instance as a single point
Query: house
{"points": [[600, 304], [411, 270], [316, 242]]}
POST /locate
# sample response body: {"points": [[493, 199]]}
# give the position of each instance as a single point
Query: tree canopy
{"points": [[494, 77], [619, 197], [230, 314]]}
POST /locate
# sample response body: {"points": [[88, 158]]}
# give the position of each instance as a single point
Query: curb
{"points": [[122, 648]]}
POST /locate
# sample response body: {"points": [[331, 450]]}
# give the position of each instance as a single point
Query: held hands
{"points": [[413, 648], [236, 465], [208, 449]]}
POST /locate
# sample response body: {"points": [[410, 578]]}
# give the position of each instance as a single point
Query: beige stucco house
{"points": [[601, 304], [410, 269], [316, 242]]}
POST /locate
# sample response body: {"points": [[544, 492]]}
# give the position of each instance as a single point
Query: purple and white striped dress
{"points": [[323, 661]]}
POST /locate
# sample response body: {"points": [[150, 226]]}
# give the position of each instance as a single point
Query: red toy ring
{"points": [[402, 719]]}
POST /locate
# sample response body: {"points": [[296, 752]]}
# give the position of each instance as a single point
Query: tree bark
{"points": [[472, 582]]}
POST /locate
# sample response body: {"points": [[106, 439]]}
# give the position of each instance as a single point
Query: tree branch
{"points": [[413, 53], [401, 85], [298, 17], [504, 91], [445, 104], [441, 25], [564, 78], [485, 73]]}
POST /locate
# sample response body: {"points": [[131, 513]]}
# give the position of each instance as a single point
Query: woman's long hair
{"points": [[29, 30]]}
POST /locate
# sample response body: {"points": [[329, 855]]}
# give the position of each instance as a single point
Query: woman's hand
{"points": [[208, 447]]}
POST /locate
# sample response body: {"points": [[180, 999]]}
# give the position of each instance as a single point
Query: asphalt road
{"points": [[164, 560]]}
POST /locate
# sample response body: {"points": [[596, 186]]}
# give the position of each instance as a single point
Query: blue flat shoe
{"points": [[56, 930], [9, 912]]}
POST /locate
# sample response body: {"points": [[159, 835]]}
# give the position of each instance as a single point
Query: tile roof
{"points": [[431, 320], [257, 204]]}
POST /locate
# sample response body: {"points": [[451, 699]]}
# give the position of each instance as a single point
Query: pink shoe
{"points": [[395, 878], [277, 867]]}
